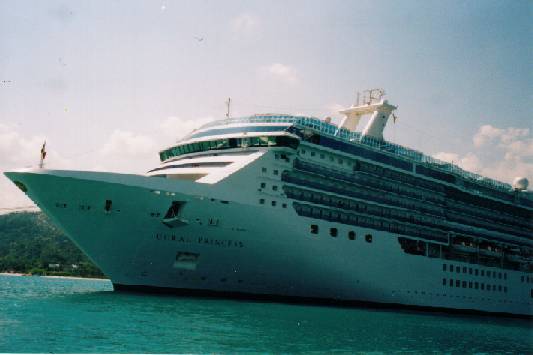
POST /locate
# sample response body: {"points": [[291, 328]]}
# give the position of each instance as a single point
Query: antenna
{"points": [[228, 104]]}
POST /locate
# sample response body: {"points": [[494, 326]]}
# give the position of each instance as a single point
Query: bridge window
{"points": [[218, 144]]}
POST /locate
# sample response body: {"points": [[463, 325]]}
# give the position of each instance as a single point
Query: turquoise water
{"points": [[80, 316]]}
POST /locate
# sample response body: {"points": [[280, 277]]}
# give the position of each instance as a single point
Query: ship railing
{"points": [[357, 138]]}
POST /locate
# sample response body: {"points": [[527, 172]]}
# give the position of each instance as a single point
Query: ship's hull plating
{"points": [[228, 248]]}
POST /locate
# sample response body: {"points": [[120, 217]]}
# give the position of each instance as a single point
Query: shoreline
{"points": [[54, 277]]}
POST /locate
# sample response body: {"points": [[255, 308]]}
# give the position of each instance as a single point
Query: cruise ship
{"points": [[290, 207]]}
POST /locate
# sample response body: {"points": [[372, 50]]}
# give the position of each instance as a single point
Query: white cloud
{"points": [[508, 153], [176, 128], [281, 72], [469, 162], [125, 143], [245, 24], [487, 134]]}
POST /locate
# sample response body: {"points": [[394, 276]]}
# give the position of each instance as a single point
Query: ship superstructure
{"points": [[277, 205]]}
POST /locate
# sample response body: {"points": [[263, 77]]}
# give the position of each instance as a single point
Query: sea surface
{"points": [[51, 315]]}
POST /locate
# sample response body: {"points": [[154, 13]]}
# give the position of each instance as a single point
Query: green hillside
{"points": [[30, 243]]}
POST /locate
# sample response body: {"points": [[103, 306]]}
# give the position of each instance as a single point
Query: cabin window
{"points": [[488, 273], [444, 282], [284, 205], [457, 283], [476, 285], [482, 272], [458, 269], [499, 275], [505, 276], [505, 289], [313, 153], [470, 271], [476, 272], [276, 172], [443, 267], [322, 156], [464, 284], [368, 238], [451, 283], [351, 235], [108, 204], [464, 269], [263, 185], [274, 188], [273, 203], [263, 170], [262, 201], [482, 286], [488, 287], [500, 288], [314, 229], [470, 284], [333, 232]]}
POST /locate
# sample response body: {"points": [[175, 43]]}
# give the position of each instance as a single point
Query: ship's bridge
{"points": [[222, 147]]}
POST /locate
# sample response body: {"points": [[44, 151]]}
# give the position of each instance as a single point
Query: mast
{"points": [[228, 105], [370, 102]]}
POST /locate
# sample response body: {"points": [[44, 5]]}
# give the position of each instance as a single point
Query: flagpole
{"points": [[43, 155]]}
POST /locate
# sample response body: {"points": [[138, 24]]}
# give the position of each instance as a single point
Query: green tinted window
{"points": [[229, 143]]}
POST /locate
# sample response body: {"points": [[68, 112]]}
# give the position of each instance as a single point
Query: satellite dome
{"points": [[520, 183]]}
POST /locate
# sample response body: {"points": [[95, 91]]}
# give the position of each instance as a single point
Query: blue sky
{"points": [[108, 83]]}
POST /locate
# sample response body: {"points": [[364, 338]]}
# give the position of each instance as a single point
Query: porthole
{"points": [[368, 238], [333, 232], [314, 229], [273, 203], [263, 185], [351, 235], [262, 201]]}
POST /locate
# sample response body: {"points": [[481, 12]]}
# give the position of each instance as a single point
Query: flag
{"points": [[43, 151]]}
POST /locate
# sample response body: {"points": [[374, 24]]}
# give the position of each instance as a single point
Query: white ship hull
{"points": [[232, 246]]}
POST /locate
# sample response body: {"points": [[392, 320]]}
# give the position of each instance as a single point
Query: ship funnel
{"points": [[371, 102]]}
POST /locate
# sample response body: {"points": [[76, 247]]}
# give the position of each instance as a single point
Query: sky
{"points": [[108, 84]]}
